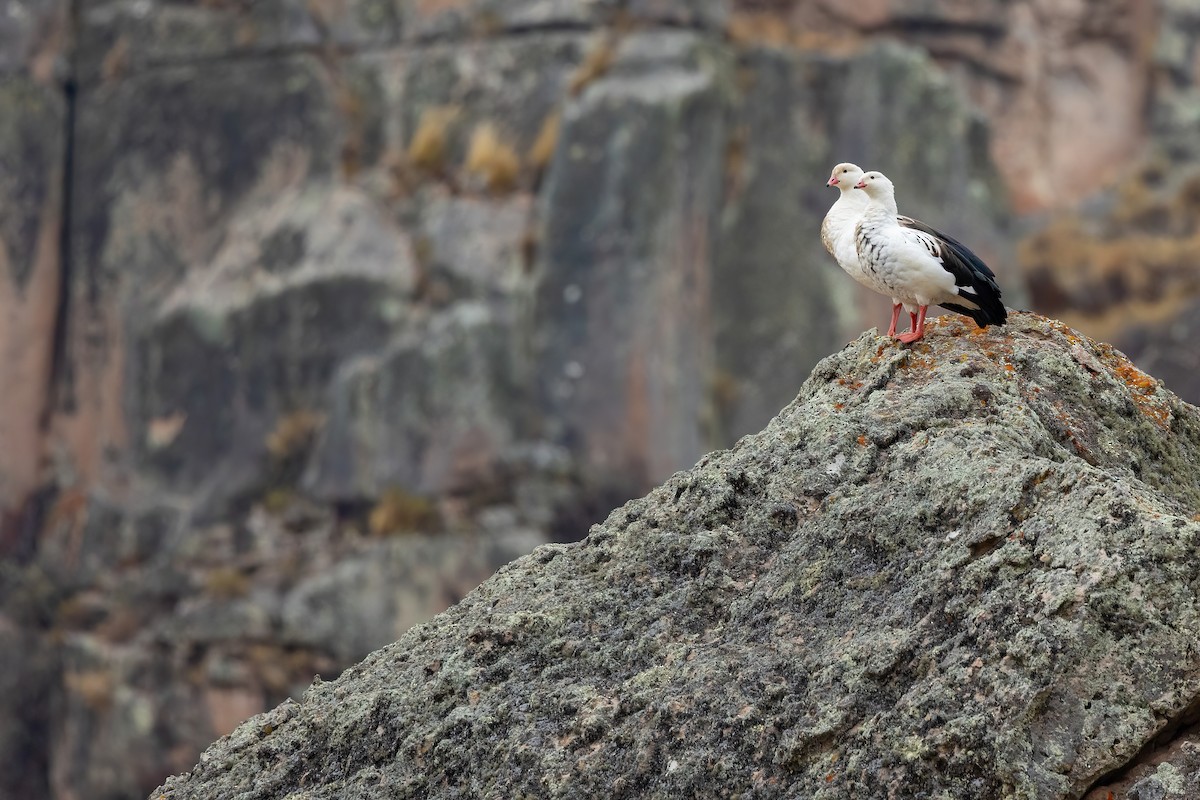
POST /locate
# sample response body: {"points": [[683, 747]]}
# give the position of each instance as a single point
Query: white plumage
{"points": [[838, 231], [919, 266]]}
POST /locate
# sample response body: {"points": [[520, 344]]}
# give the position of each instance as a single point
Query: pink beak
{"points": [[832, 182], [861, 184]]}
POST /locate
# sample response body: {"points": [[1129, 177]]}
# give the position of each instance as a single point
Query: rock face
{"points": [[33, 121], [965, 569], [563, 204], [1024, 64]]}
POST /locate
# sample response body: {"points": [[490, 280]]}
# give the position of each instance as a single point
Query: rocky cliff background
{"points": [[313, 313]]}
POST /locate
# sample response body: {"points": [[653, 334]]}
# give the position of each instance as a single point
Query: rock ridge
{"points": [[963, 569]]}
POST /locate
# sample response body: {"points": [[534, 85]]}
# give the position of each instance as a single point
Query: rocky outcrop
{"points": [[402, 276], [964, 568]]}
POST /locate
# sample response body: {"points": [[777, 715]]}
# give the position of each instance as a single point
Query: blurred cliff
{"points": [[314, 312]]}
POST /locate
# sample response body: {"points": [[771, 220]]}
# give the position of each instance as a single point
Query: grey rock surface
{"points": [[629, 214], [33, 147], [123, 36], [963, 569], [434, 415]]}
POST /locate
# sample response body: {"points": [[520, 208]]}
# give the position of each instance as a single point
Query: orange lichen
{"points": [[839, 406], [1135, 378], [862, 440], [1144, 390]]}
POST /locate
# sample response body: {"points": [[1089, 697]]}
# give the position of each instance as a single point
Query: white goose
{"points": [[920, 266], [838, 233]]}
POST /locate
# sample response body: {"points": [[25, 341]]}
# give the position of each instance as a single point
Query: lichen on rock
{"points": [[963, 569]]}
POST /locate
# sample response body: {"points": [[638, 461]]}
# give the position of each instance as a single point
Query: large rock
{"points": [[962, 569]]}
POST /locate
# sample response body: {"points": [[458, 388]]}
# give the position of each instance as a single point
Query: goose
{"points": [[919, 266]]}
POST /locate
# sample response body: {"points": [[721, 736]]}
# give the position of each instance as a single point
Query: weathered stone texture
{"points": [[628, 216], [433, 415], [33, 118], [173, 635], [961, 569], [32, 148], [1042, 71], [121, 36]]}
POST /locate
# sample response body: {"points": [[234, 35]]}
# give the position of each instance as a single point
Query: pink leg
{"points": [[919, 330], [912, 321], [895, 316]]}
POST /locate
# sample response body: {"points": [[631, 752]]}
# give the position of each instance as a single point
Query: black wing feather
{"points": [[969, 273]]}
